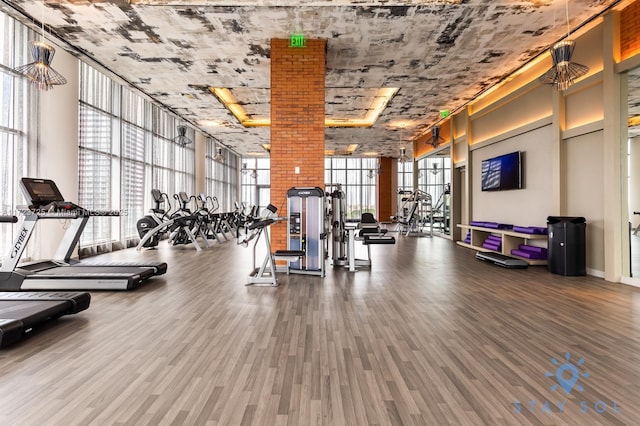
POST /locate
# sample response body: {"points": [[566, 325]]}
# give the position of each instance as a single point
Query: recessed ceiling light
{"points": [[401, 124], [378, 104], [215, 123]]}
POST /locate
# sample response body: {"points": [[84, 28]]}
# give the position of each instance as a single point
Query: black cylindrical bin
{"points": [[567, 245]]}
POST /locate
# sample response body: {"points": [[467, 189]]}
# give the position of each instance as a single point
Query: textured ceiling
{"points": [[439, 53]]}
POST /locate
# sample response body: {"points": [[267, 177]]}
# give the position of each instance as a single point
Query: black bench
{"points": [[378, 239], [289, 256]]}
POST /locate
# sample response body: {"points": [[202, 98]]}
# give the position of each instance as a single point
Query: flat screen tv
{"points": [[502, 173]]}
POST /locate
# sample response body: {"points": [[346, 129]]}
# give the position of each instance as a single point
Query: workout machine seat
{"points": [[378, 239], [289, 256]]}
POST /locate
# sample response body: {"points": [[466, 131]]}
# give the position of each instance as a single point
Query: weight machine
{"points": [[307, 230], [416, 214]]}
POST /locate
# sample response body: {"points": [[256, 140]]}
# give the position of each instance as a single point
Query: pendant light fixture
{"points": [[182, 139], [563, 73], [436, 140], [39, 72], [371, 174], [219, 158], [403, 155], [403, 151]]}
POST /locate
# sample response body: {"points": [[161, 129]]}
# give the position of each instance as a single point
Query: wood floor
{"points": [[427, 336]]}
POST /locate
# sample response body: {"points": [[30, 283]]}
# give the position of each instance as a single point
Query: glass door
{"points": [[633, 171], [434, 177]]}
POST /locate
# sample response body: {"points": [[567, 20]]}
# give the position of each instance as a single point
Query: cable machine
{"points": [[307, 229]]}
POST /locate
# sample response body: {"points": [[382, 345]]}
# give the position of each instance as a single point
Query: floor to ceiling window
{"points": [[405, 176], [18, 121], [99, 141], [359, 185], [221, 176], [255, 178], [126, 149]]}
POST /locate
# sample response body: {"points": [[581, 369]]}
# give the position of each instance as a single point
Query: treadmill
{"points": [[63, 273], [21, 313]]}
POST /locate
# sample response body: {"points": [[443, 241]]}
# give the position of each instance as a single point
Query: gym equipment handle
{"points": [[9, 219]]}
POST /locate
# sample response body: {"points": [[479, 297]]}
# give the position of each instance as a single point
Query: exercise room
{"points": [[339, 213]]}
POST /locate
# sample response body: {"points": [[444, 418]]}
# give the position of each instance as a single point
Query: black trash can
{"points": [[567, 245]]}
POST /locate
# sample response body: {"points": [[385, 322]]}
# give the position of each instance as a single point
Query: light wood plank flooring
{"points": [[427, 336]]}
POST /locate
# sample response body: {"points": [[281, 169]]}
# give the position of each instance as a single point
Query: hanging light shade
{"points": [[435, 136], [244, 169], [219, 158], [39, 72], [371, 174], [403, 155], [563, 73], [182, 139]]}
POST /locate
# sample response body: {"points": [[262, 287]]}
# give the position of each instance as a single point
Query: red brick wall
{"points": [[630, 30], [297, 123], [386, 194]]}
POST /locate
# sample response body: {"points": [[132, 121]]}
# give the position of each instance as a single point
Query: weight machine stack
{"points": [[306, 229]]}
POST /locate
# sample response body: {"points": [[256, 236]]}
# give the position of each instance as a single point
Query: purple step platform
{"points": [[492, 246], [490, 225], [528, 254], [533, 249], [494, 225], [530, 229]]}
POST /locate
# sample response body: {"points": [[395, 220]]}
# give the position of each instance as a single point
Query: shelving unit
{"points": [[510, 240]]}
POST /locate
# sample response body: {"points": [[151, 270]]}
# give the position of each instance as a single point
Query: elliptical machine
{"points": [[157, 217], [181, 226]]}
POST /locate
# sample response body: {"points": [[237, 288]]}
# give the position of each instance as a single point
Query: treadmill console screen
{"points": [[39, 192]]}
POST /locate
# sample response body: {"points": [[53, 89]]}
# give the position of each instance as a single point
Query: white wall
{"points": [[200, 166], [529, 206], [585, 191], [58, 145]]}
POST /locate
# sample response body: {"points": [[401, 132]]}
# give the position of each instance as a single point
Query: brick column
{"points": [[297, 123], [630, 30], [387, 189]]}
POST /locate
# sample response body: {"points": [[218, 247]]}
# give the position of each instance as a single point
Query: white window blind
{"points": [[18, 122], [221, 178], [126, 149], [95, 165], [352, 174]]}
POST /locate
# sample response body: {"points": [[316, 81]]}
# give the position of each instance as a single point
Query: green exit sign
{"points": [[297, 40]]}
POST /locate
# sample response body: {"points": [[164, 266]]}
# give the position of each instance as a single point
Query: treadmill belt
{"points": [[22, 312], [102, 271], [159, 267], [32, 312]]}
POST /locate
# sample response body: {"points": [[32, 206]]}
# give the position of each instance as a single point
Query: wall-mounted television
{"points": [[502, 173]]}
